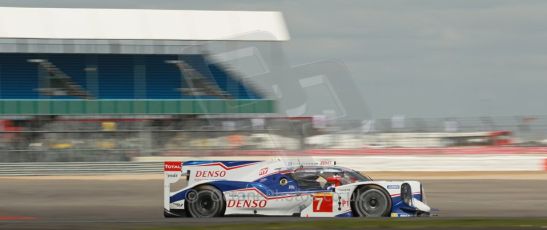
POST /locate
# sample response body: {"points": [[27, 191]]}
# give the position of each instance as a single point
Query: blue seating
{"points": [[18, 78], [119, 76], [231, 85]]}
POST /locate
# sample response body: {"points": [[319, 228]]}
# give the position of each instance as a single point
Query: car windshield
{"points": [[324, 177]]}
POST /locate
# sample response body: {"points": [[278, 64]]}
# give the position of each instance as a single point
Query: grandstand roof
{"points": [[138, 24]]}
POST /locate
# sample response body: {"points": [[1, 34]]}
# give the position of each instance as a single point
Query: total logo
{"points": [[172, 166], [203, 173], [247, 203]]}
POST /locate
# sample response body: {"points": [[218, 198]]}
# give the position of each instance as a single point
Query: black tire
{"points": [[208, 202], [371, 201]]}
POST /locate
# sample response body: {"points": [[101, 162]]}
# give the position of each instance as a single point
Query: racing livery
{"points": [[288, 187]]}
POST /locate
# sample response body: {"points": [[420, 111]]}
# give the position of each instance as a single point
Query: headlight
{"points": [[406, 194]]}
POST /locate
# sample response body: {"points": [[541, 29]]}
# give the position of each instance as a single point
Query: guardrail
{"points": [[78, 168]]}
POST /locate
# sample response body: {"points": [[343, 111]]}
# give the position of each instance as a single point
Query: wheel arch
{"points": [[371, 185], [206, 184]]}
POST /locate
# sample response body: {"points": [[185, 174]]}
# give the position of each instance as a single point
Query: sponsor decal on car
{"points": [[247, 203], [215, 174], [179, 205], [326, 162], [322, 202], [393, 186], [172, 175], [263, 171], [394, 214], [343, 189], [344, 203], [172, 166]]}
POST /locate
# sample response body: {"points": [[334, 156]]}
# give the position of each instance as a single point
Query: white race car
{"points": [[290, 187]]}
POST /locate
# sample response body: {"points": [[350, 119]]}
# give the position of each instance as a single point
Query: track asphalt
{"points": [[128, 203]]}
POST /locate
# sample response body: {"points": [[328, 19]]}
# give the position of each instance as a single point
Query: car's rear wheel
{"points": [[371, 201], [207, 201]]}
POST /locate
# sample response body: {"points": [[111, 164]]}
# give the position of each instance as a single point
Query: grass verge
{"points": [[356, 223]]}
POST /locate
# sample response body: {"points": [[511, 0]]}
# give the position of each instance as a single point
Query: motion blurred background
{"points": [[101, 87], [81, 94], [386, 75], [123, 137]]}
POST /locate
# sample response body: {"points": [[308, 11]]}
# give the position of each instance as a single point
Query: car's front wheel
{"points": [[371, 201], [205, 201]]}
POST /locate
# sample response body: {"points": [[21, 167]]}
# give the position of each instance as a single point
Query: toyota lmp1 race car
{"points": [[289, 187]]}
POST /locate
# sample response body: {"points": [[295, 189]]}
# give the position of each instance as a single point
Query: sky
{"points": [[415, 58]]}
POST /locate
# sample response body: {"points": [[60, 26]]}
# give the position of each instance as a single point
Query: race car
{"points": [[284, 187]]}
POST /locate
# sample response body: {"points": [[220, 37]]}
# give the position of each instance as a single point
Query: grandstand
{"points": [[57, 61], [118, 76], [108, 84]]}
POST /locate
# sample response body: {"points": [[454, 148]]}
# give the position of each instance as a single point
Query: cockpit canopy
{"points": [[320, 178]]}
